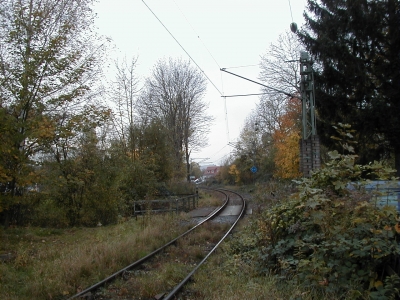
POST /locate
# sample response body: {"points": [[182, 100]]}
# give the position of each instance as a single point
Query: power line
{"points": [[226, 120], [246, 66], [212, 56], [212, 156], [246, 95], [182, 47], [198, 36], [290, 7], [226, 113], [268, 87]]}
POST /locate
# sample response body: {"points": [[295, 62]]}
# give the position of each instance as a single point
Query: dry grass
{"points": [[210, 199], [226, 276], [56, 263], [165, 271], [49, 264], [222, 278]]}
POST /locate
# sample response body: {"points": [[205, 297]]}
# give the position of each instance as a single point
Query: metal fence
{"points": [[186, 203], [383, 192]]}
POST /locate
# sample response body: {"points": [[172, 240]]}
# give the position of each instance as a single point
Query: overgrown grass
{"points": [[49, 263], [230, 276], [57, 263], [226, 282], [209, 199], [166, 270], [268, 194]]}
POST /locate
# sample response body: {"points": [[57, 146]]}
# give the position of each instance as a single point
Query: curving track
{"points": [[238, 199], [232, 200]]}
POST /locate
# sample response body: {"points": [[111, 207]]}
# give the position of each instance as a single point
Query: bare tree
{"points": [[174, 94], [124, 93], [280, 69]]}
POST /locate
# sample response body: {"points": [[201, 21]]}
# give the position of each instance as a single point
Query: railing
{"points": [[383, 192], [166, 205]]}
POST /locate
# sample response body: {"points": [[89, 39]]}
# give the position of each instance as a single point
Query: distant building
{"points": [[211, 171]]}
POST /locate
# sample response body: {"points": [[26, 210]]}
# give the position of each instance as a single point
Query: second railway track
{"points": [[170, 267]]}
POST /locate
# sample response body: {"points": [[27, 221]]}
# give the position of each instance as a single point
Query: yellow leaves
{"points": [[43, 128], [262, 227], [288, 156], [362, 204], [339, 185], [358, 221], [338, 203], [376, 231], [286, 141], [386, 229], [233, 170], [4, 177]]}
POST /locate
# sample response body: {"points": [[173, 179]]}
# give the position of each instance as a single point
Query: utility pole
{"points": [[310, 158]]}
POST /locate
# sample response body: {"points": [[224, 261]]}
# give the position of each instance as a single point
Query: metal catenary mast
{"points": [[309, 143]]}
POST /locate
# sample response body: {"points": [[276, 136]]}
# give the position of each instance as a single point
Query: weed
{"points": [[326, 237], [54, 264]]}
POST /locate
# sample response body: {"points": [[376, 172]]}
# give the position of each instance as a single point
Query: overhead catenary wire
{"points": [[245, 66], [226, 120], [247, 95], [264, 85], [215, 154], [290, 7], [187, 53], [198, 36], [212, 56]]}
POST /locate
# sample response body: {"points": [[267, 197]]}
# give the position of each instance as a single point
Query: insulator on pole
{"points": [[293, 27]]}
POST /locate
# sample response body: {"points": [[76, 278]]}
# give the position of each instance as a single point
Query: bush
{"points": [[49, 214], [327, 237]]}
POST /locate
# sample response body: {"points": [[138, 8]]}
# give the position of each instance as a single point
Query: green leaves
{"points": [[334, 155], [331, 238], [49, 58]]}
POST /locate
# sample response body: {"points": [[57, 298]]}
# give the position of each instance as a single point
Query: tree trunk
{"points": [[187, 157]]}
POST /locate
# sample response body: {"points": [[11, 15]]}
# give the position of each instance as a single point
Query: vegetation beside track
{"points": [[318, 236], [54, 263], [163, 272], [342, 248]]}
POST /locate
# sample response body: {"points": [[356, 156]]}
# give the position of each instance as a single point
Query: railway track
{"points": [[175, 262]]}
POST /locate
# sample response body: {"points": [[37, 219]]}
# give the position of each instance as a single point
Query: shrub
{"points": [[327, 237]]}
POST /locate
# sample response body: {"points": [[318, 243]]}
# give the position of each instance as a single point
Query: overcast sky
{"points": [[216, 34]]}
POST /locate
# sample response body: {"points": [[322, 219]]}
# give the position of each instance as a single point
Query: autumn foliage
{"points": [[286, 141]]}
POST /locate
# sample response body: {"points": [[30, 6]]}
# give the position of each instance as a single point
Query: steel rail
{"points": [[150, 255], [187, 278]]}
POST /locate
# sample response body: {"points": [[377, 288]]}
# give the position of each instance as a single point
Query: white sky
{"points": [[216, 34]]}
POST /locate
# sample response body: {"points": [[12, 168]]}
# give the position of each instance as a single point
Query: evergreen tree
{"points": [[356, 46]]}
